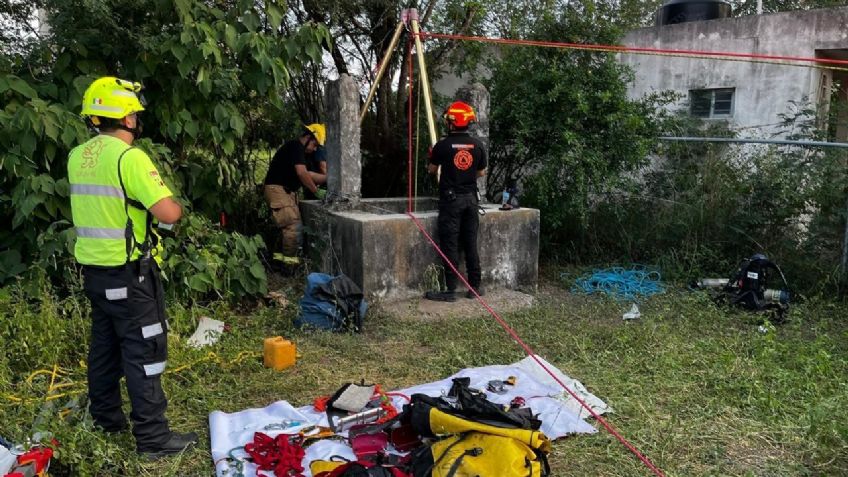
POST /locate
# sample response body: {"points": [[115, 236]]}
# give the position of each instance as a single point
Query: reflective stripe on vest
{"points": [[103, 191], [100, 233], [96, 189]]}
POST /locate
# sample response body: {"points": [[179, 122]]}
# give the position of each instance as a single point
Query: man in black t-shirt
{"points": [[286, 174], [462, 159]]}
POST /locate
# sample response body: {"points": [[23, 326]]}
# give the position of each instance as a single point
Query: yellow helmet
{"points": [[319, 131], [111, 97]]}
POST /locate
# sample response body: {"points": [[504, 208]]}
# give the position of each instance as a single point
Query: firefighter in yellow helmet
{"points": [[287, 173], [116, 197]]}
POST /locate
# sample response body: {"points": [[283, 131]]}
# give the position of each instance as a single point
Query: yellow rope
{"points": [[52, 378], [51, 394], [54, 372]]}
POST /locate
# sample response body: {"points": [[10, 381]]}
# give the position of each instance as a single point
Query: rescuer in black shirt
{"points": [[286, 174], [462, 159]]}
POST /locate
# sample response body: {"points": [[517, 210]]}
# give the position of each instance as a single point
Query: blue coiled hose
{"points": [[621, 283]]}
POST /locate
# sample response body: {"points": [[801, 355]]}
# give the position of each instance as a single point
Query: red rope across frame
{"points": [[527, 349], [639, 50]]}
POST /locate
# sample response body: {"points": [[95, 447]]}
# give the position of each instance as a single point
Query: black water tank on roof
{"points": [[682, 11]]}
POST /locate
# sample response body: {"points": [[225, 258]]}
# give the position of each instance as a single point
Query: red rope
{"points": [[409, 122], [282, 454], [633, 49], [320, 403], [498, 318], [400, 395], [385, 403], [532, 354]]}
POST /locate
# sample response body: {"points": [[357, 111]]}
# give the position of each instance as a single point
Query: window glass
{"points": [[723, 103], [700, 103], [711, 103]]}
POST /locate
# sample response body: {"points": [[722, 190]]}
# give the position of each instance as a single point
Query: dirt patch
{"points": [[501, 300]]}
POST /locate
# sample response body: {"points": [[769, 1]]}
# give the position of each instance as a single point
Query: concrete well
{"points": [[374, 241], [380, 247]]}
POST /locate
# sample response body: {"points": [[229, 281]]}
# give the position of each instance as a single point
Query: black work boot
{"points": [[448, 295], [176, 444], [480, 291]]}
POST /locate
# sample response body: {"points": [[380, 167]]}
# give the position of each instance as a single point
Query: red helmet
{"points": [[460, 114]]}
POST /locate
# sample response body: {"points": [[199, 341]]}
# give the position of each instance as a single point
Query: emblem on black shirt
{"points": [[463, 160]]}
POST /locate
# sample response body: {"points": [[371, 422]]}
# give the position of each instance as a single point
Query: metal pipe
{"points": [[425, 82], [754, 141], [381, 71]]}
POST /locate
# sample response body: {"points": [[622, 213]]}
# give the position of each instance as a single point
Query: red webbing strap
{"points": [[282, 454]]}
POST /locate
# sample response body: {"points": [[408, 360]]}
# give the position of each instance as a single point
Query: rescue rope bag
{"points": [[475, 437]]}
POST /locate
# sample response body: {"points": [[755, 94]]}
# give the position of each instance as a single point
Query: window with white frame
{"points": [[714, 103]]}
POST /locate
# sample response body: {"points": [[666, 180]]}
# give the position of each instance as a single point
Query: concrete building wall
{"points": [[762, 91]]}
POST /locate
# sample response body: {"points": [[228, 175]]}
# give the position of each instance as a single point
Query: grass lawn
{"points": [[696, 388]]}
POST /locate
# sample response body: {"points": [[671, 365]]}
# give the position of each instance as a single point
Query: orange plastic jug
{"points": [[279, 353]]}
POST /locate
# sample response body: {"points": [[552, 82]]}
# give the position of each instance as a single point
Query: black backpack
{"points": [[332, 303], [749, 287]]}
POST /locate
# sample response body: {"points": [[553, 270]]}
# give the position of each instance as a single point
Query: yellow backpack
{"points": [[476, 454], [469, 448]]}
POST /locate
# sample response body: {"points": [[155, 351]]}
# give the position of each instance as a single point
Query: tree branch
{"points": [[428, 12], [446, 51], [320, 17]]}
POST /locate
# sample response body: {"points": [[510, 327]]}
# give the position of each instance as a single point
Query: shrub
{"points": [[703, 207], [203, 261], [216, 79]]}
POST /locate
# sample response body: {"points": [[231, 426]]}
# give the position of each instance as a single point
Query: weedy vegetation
{"points": [[694, 386]]}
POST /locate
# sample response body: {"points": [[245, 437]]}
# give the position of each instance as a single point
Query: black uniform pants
{"points": [[458, 224], [128, 338]]}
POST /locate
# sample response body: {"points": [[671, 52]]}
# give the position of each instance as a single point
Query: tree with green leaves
{"points": [[561, 120], [215, 75]]}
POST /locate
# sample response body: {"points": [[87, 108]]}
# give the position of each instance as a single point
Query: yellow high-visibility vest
{"points": [[98, 202]]}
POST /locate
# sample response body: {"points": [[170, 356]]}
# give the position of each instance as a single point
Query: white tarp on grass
{"points": [[560, 414]]}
